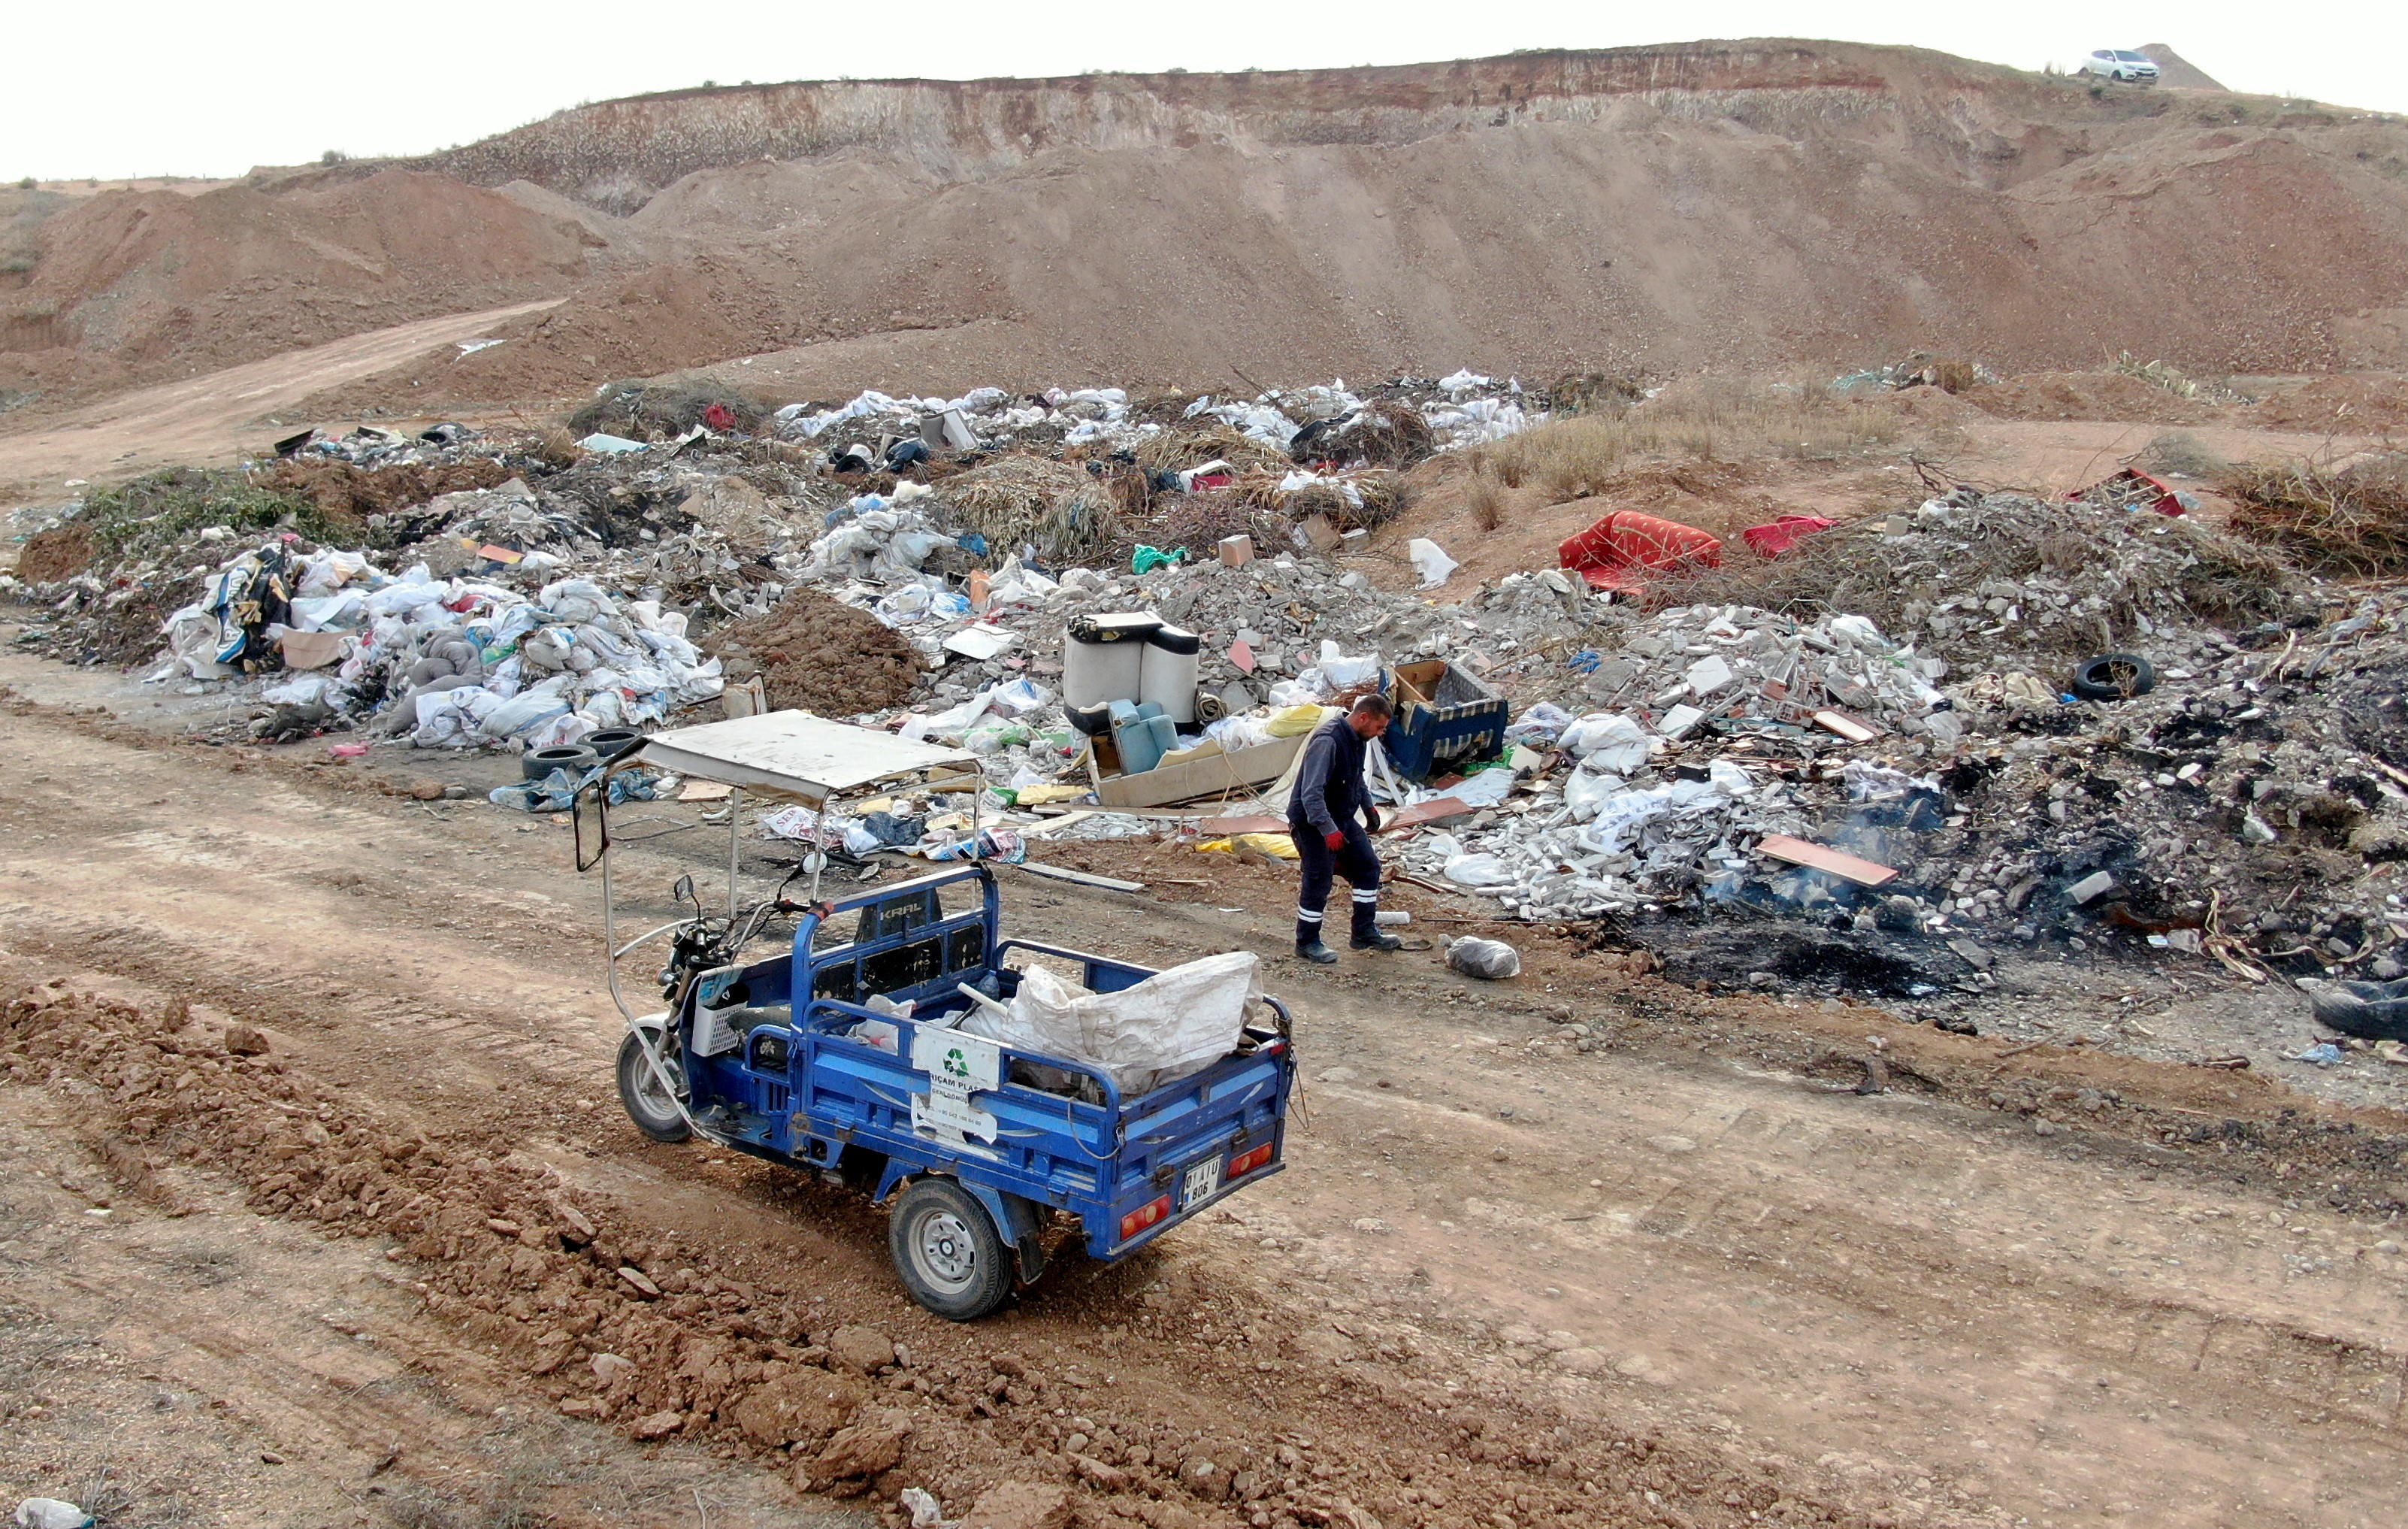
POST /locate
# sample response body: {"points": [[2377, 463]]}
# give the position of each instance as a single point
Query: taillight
{"points": [[1246, 1163], [1144, 1216]]}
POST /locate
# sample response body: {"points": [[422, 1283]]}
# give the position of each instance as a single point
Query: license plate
{"points": [[1201, 1181]]}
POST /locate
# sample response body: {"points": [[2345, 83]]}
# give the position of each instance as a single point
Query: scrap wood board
{"points": [[1864, 872], [1084, 878]]}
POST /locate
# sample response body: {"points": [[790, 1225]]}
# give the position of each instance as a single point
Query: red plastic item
{"points": [[1784, 533], [1620, 550], [720, 418], [2164, 503]]}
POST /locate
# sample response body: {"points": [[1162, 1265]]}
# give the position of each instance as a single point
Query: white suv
{"points": [[2121, 63]]}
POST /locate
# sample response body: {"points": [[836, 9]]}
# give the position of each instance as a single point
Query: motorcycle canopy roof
{"points": [[806, 758]]}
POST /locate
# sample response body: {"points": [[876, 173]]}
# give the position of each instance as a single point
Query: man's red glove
{"points": [[1335, 838]]}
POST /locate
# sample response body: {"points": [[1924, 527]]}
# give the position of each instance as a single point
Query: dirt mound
{"points": [[160, 283], [1743, 203], [2341, 405], [2175, 70], [61, 552], [349, 494], [816, 654], [2091, 394]]}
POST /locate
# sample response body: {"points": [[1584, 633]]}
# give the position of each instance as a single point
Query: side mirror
{"points": [[683, 890], [589, 813]]}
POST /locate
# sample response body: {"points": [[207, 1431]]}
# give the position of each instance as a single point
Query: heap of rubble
{"points": [[1894, 691]]}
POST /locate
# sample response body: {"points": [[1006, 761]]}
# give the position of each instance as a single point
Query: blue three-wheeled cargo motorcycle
{"points": [[838, 1048]]}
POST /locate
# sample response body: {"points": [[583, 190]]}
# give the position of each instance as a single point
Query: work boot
{"points": [[1376, 939], [1317, 953]]}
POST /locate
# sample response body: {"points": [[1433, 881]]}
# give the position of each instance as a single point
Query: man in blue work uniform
{"points": [[1330, 837]]}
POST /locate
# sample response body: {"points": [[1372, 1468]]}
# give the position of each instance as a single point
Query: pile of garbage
{"points": [[1889, 725], [1973, 576], [2245, 807], [451, 663], [1707, 726], [1737, 668], [1463, 409]]}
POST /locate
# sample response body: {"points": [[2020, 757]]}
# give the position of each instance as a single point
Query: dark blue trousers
{"points": [[1356, 860]]}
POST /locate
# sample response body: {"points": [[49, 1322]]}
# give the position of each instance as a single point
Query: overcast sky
{"points": [[212, 89]]}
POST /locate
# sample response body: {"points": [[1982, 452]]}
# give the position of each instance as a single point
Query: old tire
{"points": [[650, 1106], [538, 763], [610, 743], [947, 1250], [2115, 676]]}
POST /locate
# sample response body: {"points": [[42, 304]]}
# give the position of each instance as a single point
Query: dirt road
{"points": [[1687, 1276], [213, 418]]}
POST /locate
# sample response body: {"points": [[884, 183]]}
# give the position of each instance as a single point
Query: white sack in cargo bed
{"points": [[1172, 1024]]}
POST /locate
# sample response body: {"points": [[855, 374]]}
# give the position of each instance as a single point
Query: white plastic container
{"points": [[1167, 674], [1102, 656]]}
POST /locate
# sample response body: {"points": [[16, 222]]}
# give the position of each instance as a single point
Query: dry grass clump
{"points": [[1199, 522], [1062, 509], [1704, 420], [1391, 435], [1954, 376], [1486, 500], [2181, 452], [1587, 390], [1180, 448], [1383, 496], [554, 447], [2353, 520]]}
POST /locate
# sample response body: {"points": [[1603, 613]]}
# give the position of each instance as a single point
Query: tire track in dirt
{"points": [[1889, 1302], [206, 419], [160, 1345]]}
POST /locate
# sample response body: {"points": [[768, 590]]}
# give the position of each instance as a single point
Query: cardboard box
{"points": [[1237, 551], [1215, 775]]}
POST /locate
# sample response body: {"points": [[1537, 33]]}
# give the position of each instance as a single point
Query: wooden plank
{"points": [[1054, 825], [1242, 822], [1846, 726], [1083, 878], [1864, 872], [1436, 810]]}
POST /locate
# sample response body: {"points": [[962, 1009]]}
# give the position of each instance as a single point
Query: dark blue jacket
{"points": [[1330, 783]]}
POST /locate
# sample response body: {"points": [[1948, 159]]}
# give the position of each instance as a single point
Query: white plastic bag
{"points": [[1431, 561], [301, 690], [1482, 788], [1543, 723], [1859, 631], [1477, 871], [1238, 732], [1607, 742], [526, 710], [1019, 697], [1341, 671], [1587, 791], [1172, 1024]]}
